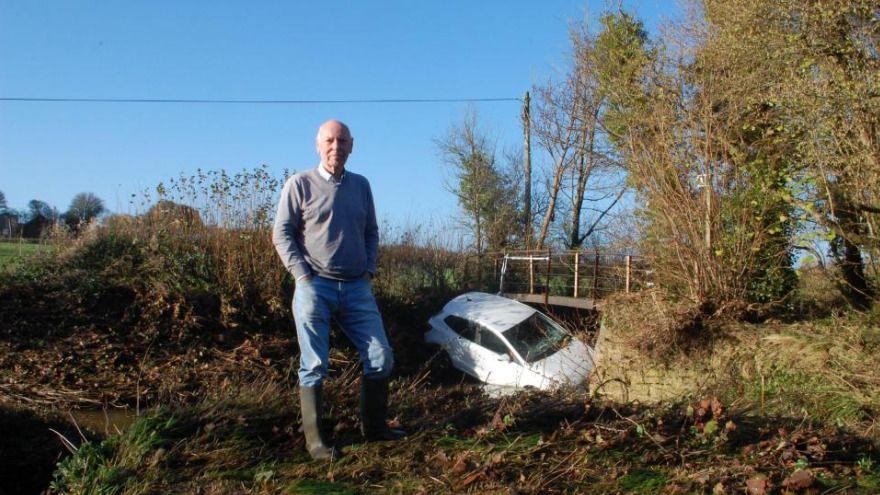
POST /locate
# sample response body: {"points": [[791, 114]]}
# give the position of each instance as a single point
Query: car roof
{"points": [[494, 312]]}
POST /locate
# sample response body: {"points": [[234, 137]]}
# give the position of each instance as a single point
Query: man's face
{"points": [[334, 144]]}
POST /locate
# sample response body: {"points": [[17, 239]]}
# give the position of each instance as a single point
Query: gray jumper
{"points": [[327, 227]]}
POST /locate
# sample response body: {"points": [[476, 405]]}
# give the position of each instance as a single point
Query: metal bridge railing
{"points": [[578, 274]]}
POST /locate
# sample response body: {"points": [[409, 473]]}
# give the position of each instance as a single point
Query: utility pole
{"points": [[527, 169]]}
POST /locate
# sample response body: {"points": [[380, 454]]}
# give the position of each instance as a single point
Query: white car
{"points": [[500, 341]]}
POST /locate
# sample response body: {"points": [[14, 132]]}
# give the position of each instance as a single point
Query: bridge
{"points": [[576, 279]]}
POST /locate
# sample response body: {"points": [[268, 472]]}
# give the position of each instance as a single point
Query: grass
{"points": [[312, 487], [12, 253], [643, 481], [223, 441], [142, 292], [822, 370], [244, 440]]}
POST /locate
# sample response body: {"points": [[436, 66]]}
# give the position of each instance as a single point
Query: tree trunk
{"points": [[551, 207], [856, 288], [852, 267], [575, 241]]}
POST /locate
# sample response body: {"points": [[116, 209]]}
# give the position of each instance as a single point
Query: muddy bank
{"points": [[116, 348]]}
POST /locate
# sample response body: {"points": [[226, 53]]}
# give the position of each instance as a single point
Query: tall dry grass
{"points": [[203, 238], [198, 249]]}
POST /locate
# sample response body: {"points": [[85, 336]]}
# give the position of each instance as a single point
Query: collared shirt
{"points": [[328, 176]]}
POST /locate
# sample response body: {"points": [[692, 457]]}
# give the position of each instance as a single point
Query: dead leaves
{"points": [[708, 416], [798, 480], [467, 467], [502, 420], [787, 449], [759, 485], [460, 465]]}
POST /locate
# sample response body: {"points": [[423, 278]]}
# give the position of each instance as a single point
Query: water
{"points": [[107, 422]]}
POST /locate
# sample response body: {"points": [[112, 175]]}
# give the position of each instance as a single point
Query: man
{"points": [[327, 236]]}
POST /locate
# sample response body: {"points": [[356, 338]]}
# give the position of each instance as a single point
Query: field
{"points": [[11, 253]]}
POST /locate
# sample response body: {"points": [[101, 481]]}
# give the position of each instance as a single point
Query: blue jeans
{"points": [[315, 302]]}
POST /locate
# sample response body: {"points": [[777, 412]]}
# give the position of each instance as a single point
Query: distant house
{"points": [[34, 228], [8, 224]]}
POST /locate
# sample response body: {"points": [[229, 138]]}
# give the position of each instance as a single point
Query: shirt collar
{"points": [[327, 175]]}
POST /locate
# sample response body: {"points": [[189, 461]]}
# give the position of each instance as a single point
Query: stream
{"points": [[106, 422]]}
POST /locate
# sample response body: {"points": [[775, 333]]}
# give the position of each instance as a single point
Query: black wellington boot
{"points": [[374, 408], [311, 407]]}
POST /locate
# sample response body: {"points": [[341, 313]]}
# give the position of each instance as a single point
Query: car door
{"points": [[462, 349], [495, 362], [480, 353]]}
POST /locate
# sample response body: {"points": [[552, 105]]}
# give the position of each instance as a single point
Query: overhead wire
{"points": [[30, 99]]}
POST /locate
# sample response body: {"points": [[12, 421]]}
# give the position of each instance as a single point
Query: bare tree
{"points": [[84, 207], [557, 133], [485, 192], [568, 128], [37, 208]]}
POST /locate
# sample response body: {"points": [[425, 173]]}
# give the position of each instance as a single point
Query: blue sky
{"points": [[264, 50]]}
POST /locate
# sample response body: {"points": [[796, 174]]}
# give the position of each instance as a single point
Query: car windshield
{"points": [[536, 337]]}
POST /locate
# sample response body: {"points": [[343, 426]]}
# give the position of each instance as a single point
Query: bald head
{"points": [[334, 144], [333, 126]]}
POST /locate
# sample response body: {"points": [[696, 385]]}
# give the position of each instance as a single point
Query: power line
{"points": [[254, 101]]}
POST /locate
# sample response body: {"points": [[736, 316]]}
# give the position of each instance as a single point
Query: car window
{"points": [[536, 337], [492, 342], [477, 334], [462, 327]]}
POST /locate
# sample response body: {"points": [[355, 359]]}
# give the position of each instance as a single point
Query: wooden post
{"points": [[527, 169], [480, 272], [531, 275], [706, 184], [596, 277], [709, 213], [547, 280], [577, 269], [628, 272]]}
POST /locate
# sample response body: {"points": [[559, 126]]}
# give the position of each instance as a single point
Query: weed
{"points": [[655, 326], [643, 482], [823, 371], [312, 487], [91, 471]]}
